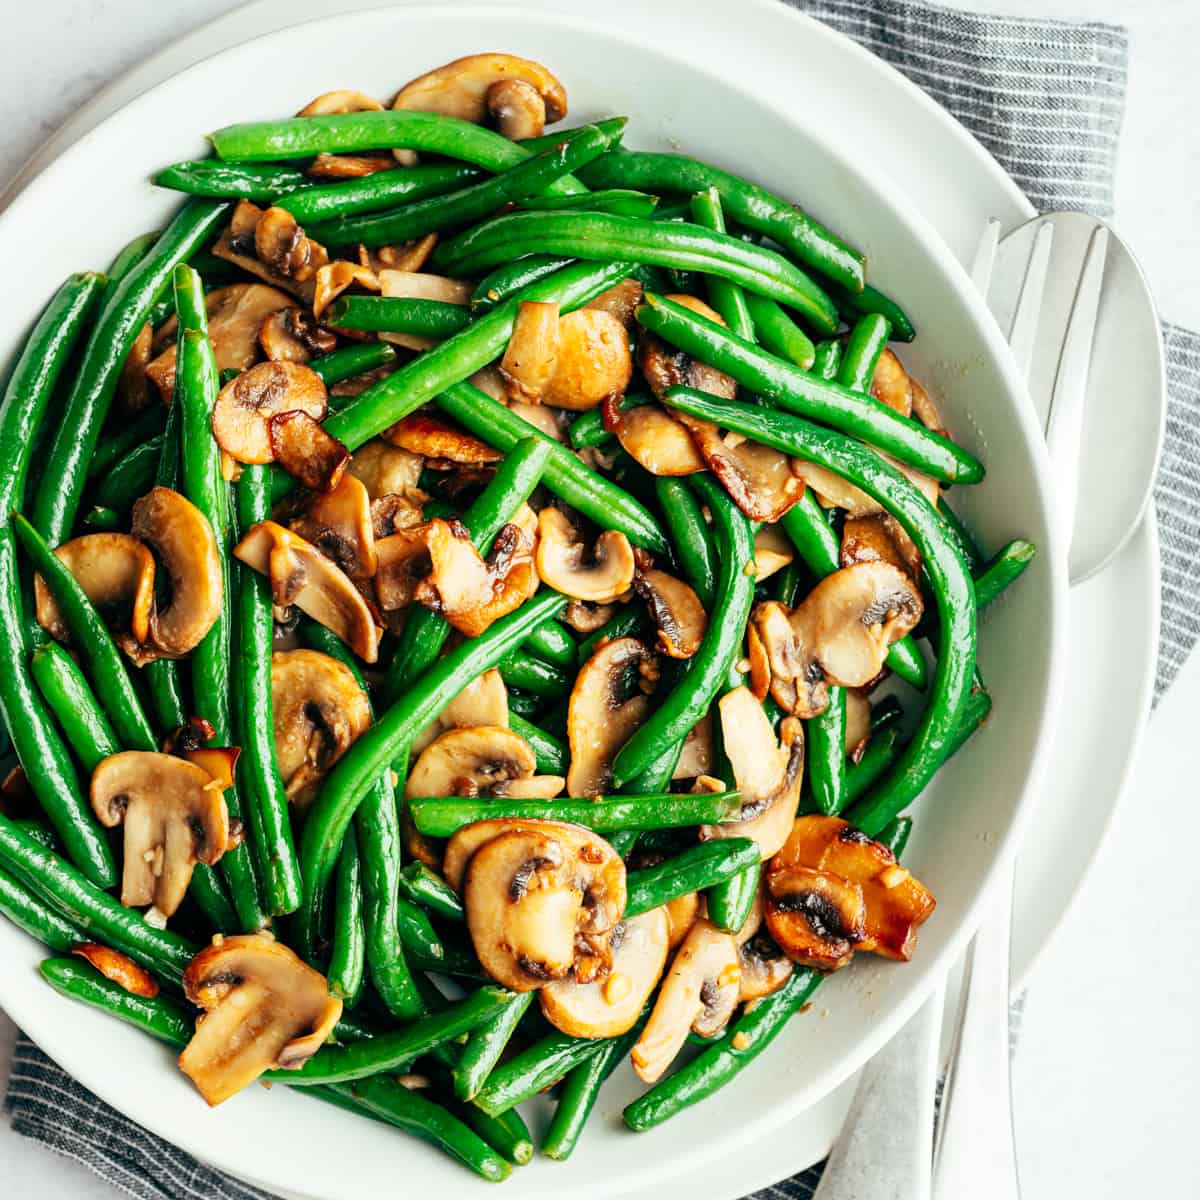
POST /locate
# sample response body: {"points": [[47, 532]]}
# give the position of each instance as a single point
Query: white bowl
{"points": [[95, 197]]}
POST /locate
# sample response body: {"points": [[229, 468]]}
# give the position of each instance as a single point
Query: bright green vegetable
{"points": [[535, 1068], [777, 332], [507, 280], [727, 298], [230, 181], [729, 902], [350, 361], [73, 702], [521, 670], [422, 886], [486, 1044], [692, 870], [854, 304], [551, 752], [36, 918], [380, 189], [347, 954], [867, 341], [554, 644], [826, 753], [690, 535], [383, 314], [131, 476], [118, 443]]}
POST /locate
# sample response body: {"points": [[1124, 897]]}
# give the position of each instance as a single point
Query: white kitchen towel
{"points": [[1046, 98]]}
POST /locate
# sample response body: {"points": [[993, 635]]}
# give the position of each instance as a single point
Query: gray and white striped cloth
{"points": [[1046, 98]]}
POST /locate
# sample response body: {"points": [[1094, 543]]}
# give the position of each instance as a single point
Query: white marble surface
{"points": [[1106, 1079]]}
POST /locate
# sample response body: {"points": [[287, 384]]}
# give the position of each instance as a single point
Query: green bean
{"points": [[895, 835], [120, 319], [595, 497], [785, 586], [380, 189], [157, 1016], [953, 589], [624, 202], [35, 738], [101, 917], [91, 636], [777, 332], [39, 831], [416, 931], [375, 750], [130, 255], [352, 360], [532, 675], [422, 886], [827, 359], [523, 705], [486, 1044], [729, 902], [974, 712], [588, 428], [132, 476], [789, 387], [826, 753], [438, 816], [229, 181], [625, 622], [1002, 570], [436, 214], [554, 644], [867, 341], [535, 1068], [507, 1134], [709, 666], [886, 713], [204, 485], [727, 298], [409, 1110], [853, 305], [508, 279], [606, 237], [551, 753], [690, 536], [35, 918], [120, 442], [750, 205], [101, 519], [456, 959], [693, 870], [72, 701], [391, 314], [395, 1050], [967, 546], [347, 954]]}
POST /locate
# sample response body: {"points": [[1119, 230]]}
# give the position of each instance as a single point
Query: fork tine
{"points": [[1023, 334], [984, 261]]}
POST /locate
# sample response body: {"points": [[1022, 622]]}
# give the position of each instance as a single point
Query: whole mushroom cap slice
{"points": [[483, 760], [783, 659], [816, 917], [653, 438], [263, 1007], [245, 405], [675, 609], [431, 436], [174, 815], [529, 359], [386, 470], [319, 711], [301, 575], [565, 563], [340, 525], [610, 1007], [184, 543], [341, 100], [890, 384], [116, 573], [773, 551], [460, 88], [699, 993], [484, 701], [592, 361], [664, 366], [516, 108], [602, 714]]}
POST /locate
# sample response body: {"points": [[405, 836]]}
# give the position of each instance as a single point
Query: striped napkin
{"points": [[1046, 98]]}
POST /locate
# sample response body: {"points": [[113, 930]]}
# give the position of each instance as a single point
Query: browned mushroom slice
{"points": [[890, 384], [516, 108], [873, 539], [318, 710], [334, 278], [779, 646], [386, 470], [532, 352], [263, 1008], [186, 547], [236, 245], [341, 525], [926, 410], [653, 438], [280, 243], [425, 433], [620, 301], [235, 316], [133, 392], [606, 706], [765, 967], [547, 420], [585, 617], [401, 256], [245, 405], [118, 968], [565, 563], [344, 166], [815, 917], [300, 445], [403, 561], [484, 701], [611, 1007], [773, 551], [699, 993], [174, 816], [340, 100], [460, 88], [858, 723], [414, 285], [471, 592], [593, 360], [116, 573], [759, 479], [482, 760], [293, 335], [540, 899], [665, 367], [301, 575], [834, 492], [758, 662], [390, 514], [676, 610], [697, 755], [768, 773]]}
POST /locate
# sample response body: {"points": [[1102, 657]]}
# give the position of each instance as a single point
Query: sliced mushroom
{"points": [[237, 245], [816, 917], [768, 774], [425, 433], [765, 967], [401, 256], [300, 445], [301, 575], [926, 410], [263, 1008], [665, 367], [471, 592], [532, 353], [758, 478], [334, 278], [349, 166], [697, 755], [386, 470], [279, 241], [341, 525], [235, 316], [834, 492], [483, 760], [873, 539], [516, 108], [585, 617], [682, 913], [593, 360], [653, 438], [858, 723], [484, 701], [319, 711], [117, 574], [460, 88], [341, 100], [118, 968], [620, 301], [675, 609], [890, 384], [403, 562], [565, 563], [540, 898], [606, 706], [244, 406], [611, 1007], [772, 552], [699, 993], [186, 547], [781, 653], [293, 335], [544, 419], [133, 392], [174, 816]]}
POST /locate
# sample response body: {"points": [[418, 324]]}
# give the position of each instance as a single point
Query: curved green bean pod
{"points": [[347, 953], [554, 644], [776, 331], [855, 304], [352, 360], [729, 903], [73, 702], [535, 1068], [422, 886], [36, 918], [232, 181], [826, 754], [131, 476], [529, 674], [486, 1044], [692, 870], [392, 314], [379, 190], [727, 298], [510, 278], [866, 343], [551, 752], [119, 443], [690, 535]]}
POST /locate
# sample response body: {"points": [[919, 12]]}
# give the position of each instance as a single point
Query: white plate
{"points": [[766, 52]]}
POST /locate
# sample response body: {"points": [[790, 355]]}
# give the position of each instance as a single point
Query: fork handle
{"points": [[974, 1152]]}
